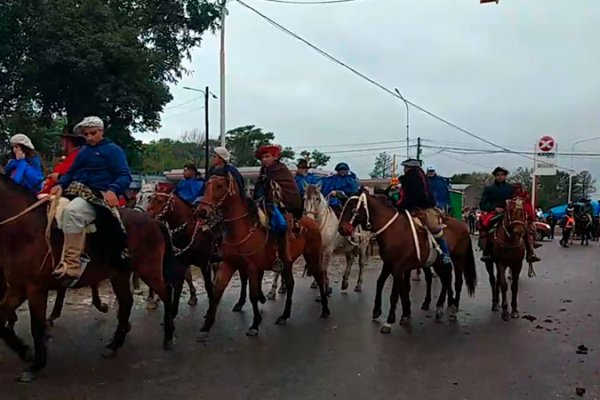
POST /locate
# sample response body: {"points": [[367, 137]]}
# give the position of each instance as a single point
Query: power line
{"points": [[380, 86], [181, 104]]}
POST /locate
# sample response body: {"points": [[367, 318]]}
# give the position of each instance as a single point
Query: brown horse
{"points": [[508, 251], [193, 243], [28, 258], [251, 249], [397, 249]]}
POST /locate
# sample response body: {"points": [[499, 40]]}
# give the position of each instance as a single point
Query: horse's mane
{"points": [[12, 185]]}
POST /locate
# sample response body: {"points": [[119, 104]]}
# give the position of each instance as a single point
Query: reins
{"points": [[25, 211]]}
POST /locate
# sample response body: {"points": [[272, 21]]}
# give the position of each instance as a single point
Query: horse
{"points": [[251, 249], [28, 255], [403, 251], [584, 228], [192, 241], [508, 252]]}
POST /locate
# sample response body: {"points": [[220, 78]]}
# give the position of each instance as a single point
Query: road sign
{"points": [[545, 156]]}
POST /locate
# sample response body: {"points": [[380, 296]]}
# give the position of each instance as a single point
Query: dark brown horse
{"points": [[397, 249], [192, 241], [28, 258], [249, 248], [508, 251]]}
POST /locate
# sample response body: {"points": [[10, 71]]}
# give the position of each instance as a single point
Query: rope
{"points": [[25, 211]]}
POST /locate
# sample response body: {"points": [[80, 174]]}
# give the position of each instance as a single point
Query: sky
{"points": [[509, 72]]}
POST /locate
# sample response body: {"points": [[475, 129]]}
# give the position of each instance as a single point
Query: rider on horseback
{"points": [[340, 186], [304, 177], [493, 201], [415, 195], [97, 177], [277, 187]]}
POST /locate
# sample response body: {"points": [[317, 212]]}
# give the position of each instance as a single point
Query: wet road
{"points": [[479, 357]]}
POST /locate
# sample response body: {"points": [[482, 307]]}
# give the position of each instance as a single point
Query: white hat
{"points": [[88, 122], [430, 168], [223, 153], [23, 140]]}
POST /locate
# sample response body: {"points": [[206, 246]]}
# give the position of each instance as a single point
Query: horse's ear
{"points": [[143, 182]]}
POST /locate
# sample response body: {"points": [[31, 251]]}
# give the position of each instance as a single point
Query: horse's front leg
{"points": [[222, 278], [190, 281], [429, 281], [404, 296], [362, 259], [273, 292], [391, 319], [349, 255], [445, 274], [243, 293], [288, 278], [37, 298], [503, 286], [255, 282], [122, 290], [58, 306], [383, 275], [489, 266], [514, 290]]}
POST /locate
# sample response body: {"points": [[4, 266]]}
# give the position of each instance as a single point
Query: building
{"points": [[471, 194]]}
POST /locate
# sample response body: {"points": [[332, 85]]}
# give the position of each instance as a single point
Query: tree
{"points": [[584, 184], [523, 176], [243, 142], [479, 179], [315, 158], [383, 166], [113, 59]]}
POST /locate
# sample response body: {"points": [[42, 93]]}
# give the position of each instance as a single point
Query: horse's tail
{"points": [[470, 270]]}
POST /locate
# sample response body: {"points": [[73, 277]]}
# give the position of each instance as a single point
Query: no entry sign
{"points": [[546, 143], [545, 156]]}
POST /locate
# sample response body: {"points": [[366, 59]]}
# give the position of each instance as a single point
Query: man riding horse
{"points": [[339, 187], [416, 195], [493, 202], [98, 176]]}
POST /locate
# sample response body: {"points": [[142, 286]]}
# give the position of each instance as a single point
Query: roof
{"points": [[247, 172], [460, 187]]}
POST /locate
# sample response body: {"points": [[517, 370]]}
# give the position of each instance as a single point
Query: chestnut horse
{"points": [[28, 257], [508, 252], [250, 248], [397, 249], [192, 242]]}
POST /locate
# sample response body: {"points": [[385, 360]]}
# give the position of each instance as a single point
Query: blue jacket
{"points": [[101, 167], [228, 169], [190, 189], [441, 191], [347, 184], [27, 172], [302, 181]]}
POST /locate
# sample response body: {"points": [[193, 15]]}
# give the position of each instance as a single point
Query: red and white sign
{"points": [[546, 144]]}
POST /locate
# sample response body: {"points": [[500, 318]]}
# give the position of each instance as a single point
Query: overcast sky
{"points": [[510, 72]]}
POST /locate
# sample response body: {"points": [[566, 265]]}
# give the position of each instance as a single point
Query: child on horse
{"points": [[415, 195], [493, 202], [26, 166], [277, 187], [191, 187]]}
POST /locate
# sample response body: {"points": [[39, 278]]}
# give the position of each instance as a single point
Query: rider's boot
{"points": [[486, 251], [529, 247], [70, 263], [281, 253], [446, 260]]}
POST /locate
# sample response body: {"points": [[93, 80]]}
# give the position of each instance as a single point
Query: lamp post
{"points": [[206, 93], [570, 195], [222, 73], [407, 124]]}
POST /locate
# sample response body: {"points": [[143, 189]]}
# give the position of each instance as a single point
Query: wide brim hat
{"points": [[88, 122], [497, 170], [272, 149], [23, 140], [223, 153], [412, 163], [342, 166]]}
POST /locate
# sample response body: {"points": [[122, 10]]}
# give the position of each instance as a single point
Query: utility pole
{"points": [[206, 93], [222, 72], [394, 166], [419, 150], [407, 123]]}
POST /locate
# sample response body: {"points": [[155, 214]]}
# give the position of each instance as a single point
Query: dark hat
{"points": [[77, 139], [302, 163], [342, 166], [412, 163], [498, 170]]}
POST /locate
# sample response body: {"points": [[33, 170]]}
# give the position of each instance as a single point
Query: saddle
{"points": [[428, 220]]}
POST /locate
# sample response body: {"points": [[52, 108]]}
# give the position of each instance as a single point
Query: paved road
{"points": [[345, 357]]}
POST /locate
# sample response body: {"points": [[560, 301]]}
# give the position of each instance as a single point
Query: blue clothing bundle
{"points": [[226, 170], [440, 187], [101, 167], [190, 189], [347, 184], [26, 172], [302, 181]]}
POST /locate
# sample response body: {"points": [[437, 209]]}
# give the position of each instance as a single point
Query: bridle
{"points": [[312, 210], [219, 204], [362, 203], [509, 221]]}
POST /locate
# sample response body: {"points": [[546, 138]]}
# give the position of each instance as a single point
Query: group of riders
{"points": [[94, 172]]}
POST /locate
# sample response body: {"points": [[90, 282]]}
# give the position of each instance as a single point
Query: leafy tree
{"points": [[473, 178], [523, 176], [383, 166], [315, 158], [113, 59], [584, 185], [243, 142]]}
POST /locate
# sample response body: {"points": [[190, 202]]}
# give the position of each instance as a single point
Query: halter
{"points": [[363, 203], [511, 222], [315, 213], [219, 203]]}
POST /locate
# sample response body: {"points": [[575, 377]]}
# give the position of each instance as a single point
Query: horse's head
{"points": [[217, 191], [156, 201], [314, 201], [515, 217], [355, 213]]}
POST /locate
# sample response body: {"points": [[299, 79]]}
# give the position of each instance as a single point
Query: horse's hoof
{"points": [[452, 317], [168, 345], [514, 315], [345, 285], [358, 289], [281, 321], [203, 337], [405, 321], [313, 285], [107, 352], [325, 314], [238, 307], [425, 307], [152, 305], [50, 322], [262, 299], [505, 316], [252, 332], [495, 307], [26, 377], [103, 308], [193, 301], [386, 329], [328, 290], [271, 296], [376, 314], [282, 290], [439, 314], [318, 299]]}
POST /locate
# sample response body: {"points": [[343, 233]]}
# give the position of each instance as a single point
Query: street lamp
{"points": [[206, 92], [572, 157], [407, 125], [222, 72]]}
